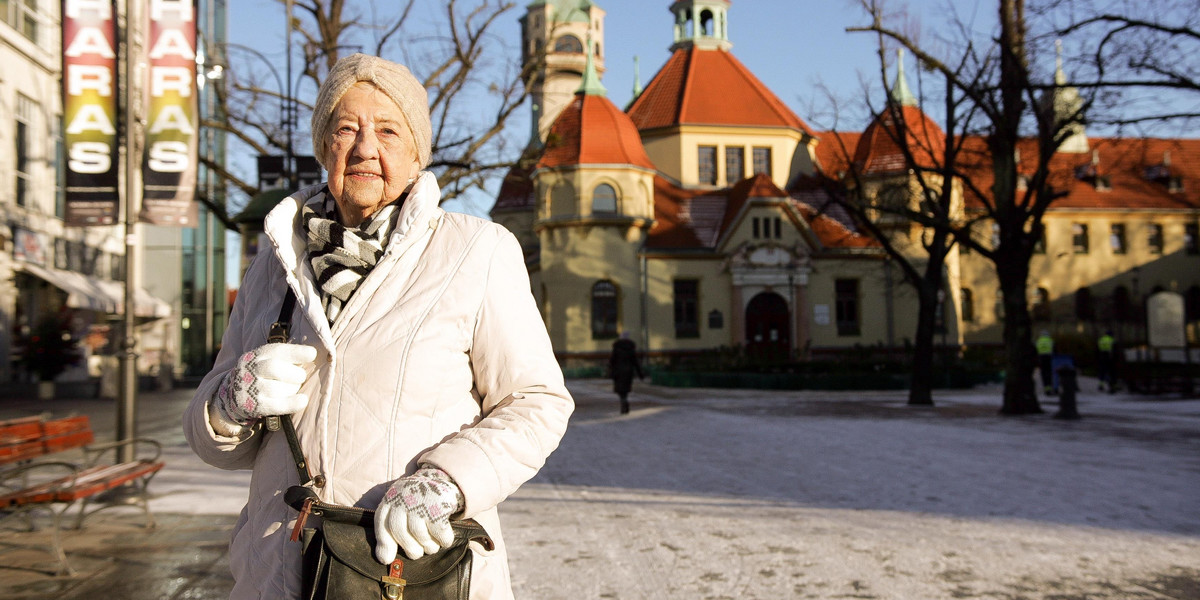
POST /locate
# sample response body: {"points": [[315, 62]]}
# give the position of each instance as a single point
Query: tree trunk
{"points": [[1020, 395], [920, 391]]}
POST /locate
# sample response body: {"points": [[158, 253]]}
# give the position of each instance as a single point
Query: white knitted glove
{"points": [[265, 382], [415, 514]]}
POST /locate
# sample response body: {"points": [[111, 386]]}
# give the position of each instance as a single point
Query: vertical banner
{"points": [[169, 161], [89, 41]]}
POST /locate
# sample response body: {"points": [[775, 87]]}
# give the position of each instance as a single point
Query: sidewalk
{"points": [[749, 494]]}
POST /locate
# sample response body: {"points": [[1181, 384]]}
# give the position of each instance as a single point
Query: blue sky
{"points": [[793, 46]]}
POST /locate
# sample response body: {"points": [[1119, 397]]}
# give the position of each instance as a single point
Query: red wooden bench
{"points": [[27, 484]]}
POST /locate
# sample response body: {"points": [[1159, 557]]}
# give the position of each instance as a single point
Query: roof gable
{"points": [[701, 219]]}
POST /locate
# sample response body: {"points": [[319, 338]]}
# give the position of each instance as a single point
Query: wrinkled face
{"points": [[372, 155]]}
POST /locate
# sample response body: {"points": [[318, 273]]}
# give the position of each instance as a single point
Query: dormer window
{"points": [[1103, 183], [1161, 173], [1157, 172]]}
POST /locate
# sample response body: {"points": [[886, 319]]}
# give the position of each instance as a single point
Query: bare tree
{"points": [[991, 97], [912, 208], [1127, 49], [457, 53]]}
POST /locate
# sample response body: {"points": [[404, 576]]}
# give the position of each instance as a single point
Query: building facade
{"points": [[74, 276], [698, 217]]}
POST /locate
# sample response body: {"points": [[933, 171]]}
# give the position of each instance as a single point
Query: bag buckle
{"points": [[278, 333], [393, 584]]}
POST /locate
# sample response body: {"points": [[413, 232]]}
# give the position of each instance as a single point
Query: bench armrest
{"points": [[93, 452]]}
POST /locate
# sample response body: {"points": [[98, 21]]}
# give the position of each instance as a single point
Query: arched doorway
{"points": [[768, 330]]}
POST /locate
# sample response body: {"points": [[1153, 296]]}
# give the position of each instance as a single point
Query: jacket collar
{"points": [[287, 237]]}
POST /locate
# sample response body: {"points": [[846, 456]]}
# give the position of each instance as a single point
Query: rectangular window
{"points": [[22, 15], [1079, 238], [1117, 238], [762, 160], [754, 224], [687, 298], [1155, 240], [1191, 239], [60, 173], [735, 164], [778, 226], [26, 110], [708, 165], [1039, 247], [846, 304]]}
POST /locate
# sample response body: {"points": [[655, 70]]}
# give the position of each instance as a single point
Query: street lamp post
{"points": [[289, 164], [127, 403], [288, 106]]}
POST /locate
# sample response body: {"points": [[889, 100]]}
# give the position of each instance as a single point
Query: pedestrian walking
{"points": [[1106, 361], [1045, 350], [623, 364], [418, 372]]}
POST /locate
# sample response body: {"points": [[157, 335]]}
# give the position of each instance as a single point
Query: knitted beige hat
{"points": [[392, 79]]}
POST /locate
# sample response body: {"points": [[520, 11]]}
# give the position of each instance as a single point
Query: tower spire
{"points": [[1060, 76], [637, 79], [590, 84], [900, 92]]}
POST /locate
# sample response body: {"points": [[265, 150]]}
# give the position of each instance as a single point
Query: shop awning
{"points": [[91, 293]]}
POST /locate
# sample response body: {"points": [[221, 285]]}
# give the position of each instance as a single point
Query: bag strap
{"points": [[280, 333]]}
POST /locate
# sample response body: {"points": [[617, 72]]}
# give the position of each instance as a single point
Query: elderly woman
{"points": [[418, 373]]}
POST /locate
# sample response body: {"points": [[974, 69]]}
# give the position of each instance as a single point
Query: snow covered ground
{"points": [[751, 494]]}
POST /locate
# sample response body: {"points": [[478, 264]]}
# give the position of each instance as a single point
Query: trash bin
{"points": [[1057, 362]]}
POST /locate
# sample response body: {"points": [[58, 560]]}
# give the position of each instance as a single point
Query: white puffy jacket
{"points": [[440, 357]]}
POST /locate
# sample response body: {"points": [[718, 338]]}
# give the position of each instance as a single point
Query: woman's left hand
{"points": [[415, 515]]}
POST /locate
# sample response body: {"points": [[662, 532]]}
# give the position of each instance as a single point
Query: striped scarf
{"points": [[342, 256]]}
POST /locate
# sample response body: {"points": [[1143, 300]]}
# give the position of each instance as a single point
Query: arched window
{"points": [[706, 23], [968, 306], [604, 310], [604, 199], [1084, 310], [568, 44]]}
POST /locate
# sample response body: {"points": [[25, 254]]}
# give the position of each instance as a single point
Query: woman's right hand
{"points": [[266, 382]]}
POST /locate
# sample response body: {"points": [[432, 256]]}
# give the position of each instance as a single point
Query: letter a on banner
{"points": [[89, 41], [169, 163]]}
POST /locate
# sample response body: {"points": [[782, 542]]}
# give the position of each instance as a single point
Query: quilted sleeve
{"points": [[525, 403], [213, 448]]}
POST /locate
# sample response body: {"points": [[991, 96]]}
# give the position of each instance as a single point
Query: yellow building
{"points": [[698, 217]]}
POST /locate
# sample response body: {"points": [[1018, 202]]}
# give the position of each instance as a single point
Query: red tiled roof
{"points": [[709, 87], [1131, 165], [832, 233], [673, 227], [516, 191], [878, 150], [592, 130], [834, 151]]}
